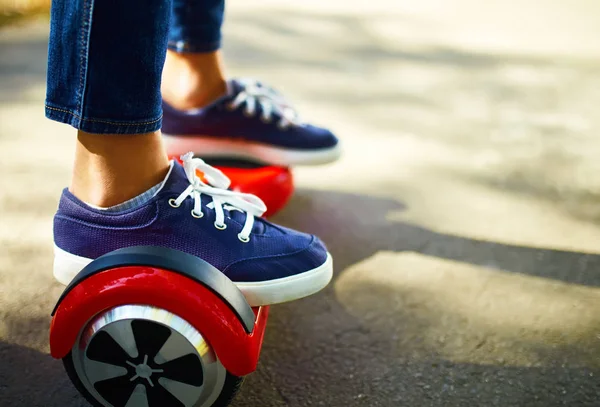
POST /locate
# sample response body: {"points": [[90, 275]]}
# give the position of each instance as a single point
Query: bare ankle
{"points": [[192, 80], [111, 169]]}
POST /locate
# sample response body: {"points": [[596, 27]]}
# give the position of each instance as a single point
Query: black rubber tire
{"points": [[230, 388]]}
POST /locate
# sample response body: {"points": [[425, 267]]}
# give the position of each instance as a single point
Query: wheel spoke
{"points": [[158, 396], [149, 336], [117, 391], [187, 394], [177, 346], [186, 369], [123, 335], [138, 397], [103, 348], [98, 371]]}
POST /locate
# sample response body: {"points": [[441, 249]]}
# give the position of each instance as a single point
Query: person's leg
{"points": [[216, 117], [105, 82], [194, 73], [108, 171], [104, 75]]}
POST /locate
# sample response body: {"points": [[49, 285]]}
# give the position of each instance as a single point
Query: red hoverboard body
{"points": [[150, 326], [154, 327]]}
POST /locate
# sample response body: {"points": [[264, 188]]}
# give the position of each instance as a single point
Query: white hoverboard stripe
{"points": [[67, 265], [212, 147]]}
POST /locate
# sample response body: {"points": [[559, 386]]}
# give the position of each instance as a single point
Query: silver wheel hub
{"points": [[142, 356], [143, 370]]}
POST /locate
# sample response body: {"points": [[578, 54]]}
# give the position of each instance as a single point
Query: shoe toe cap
{"points": [[318, 137], [292, 262]]}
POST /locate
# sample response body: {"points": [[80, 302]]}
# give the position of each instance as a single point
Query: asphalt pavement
{"points": [[463, 219]]}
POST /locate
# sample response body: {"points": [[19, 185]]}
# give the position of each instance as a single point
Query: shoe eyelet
{"points": [[197, 215], [243, 239], [220, 227], [173, 204]]}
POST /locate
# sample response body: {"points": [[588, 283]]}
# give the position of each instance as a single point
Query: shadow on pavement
{"points": [[341, 364], [317, 353], [33, 379], [380, 345], [323, 351], [376, 346], [355, 227]]}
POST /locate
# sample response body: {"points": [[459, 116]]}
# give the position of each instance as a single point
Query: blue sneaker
{"points": [[252, 121], [269, 263]]}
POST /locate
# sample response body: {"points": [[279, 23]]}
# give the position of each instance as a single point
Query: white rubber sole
{"points": [[67, 265], [212, 147]]}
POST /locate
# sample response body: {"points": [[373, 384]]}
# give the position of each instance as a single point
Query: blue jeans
{"points": [[105, 58]]}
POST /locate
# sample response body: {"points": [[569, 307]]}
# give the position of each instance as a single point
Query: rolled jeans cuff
{"points": [[103, 126], [191, 47]]}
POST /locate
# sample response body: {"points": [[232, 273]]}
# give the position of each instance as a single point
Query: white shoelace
{"points": [[270, 103], [222, 198]]}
